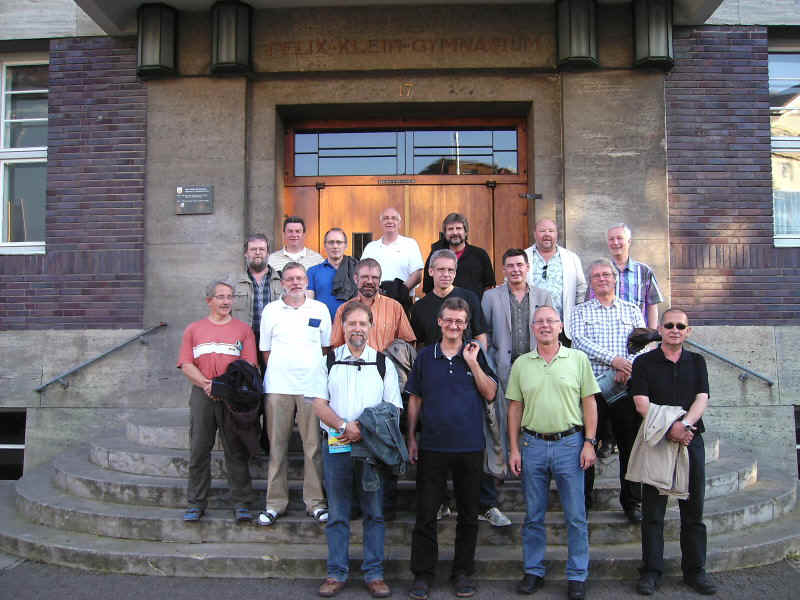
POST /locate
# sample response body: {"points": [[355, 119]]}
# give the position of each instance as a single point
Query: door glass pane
{"points": [[786, 192], [358, 166], [505, 140], [505, 163], [305, 165], [305, 142], [27, 77], [24, 199], [368, 139]]}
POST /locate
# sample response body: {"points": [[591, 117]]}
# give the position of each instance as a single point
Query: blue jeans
{"points": [[339, 470], [561, 460]]}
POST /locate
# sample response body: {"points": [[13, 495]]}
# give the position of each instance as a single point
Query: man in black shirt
{"points": [[475, 272], [670, 375], [424, 313]]}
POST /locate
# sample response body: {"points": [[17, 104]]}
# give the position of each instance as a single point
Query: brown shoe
{"points": [[330, 587], [379, 589]]}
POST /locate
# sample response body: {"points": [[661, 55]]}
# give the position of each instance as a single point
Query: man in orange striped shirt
{"points": [[390, 319]]}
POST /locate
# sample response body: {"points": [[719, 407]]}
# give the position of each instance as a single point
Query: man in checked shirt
{"points": [[256, 287], [600, 329]]}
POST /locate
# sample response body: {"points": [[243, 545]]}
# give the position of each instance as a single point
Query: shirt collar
{"points": [[437, 351], [562, 352], [682, 358], [368, 355], [628, 265], [302, 252]]}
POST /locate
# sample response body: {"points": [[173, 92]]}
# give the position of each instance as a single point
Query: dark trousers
{"points": [[206, 416], [432, 471], [693, 530], [625, 423]]}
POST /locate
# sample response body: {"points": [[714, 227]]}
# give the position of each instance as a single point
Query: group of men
{"points": [[540, 343]]}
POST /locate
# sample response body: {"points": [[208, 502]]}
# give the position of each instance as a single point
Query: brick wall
{"points": [[724, 267], [92, 275]]}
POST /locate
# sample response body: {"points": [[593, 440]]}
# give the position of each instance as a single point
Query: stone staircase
{"points": [[117, 506]]}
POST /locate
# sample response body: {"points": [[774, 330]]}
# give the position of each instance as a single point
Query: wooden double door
{"points": [[497, 212]]}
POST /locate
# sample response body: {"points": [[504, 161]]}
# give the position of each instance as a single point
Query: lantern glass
{"points": [[653, 33], [156, 43], [230, 37], [577, 35]]}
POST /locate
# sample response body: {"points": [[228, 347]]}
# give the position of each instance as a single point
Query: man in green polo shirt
{"points": [[552, 390]]}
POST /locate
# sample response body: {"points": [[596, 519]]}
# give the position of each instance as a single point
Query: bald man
{"points": [[557, 270]]}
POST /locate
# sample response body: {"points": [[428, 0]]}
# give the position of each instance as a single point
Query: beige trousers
{"points": [[281, 411]]}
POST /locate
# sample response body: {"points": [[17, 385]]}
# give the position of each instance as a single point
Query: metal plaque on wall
{"points": [[194, 200]]}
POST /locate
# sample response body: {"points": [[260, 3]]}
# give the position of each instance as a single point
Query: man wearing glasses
{"points": [[331, 281], [670, 375], [448, 385], [557, 270], [601, 327], [553, 409], [208, 347]]}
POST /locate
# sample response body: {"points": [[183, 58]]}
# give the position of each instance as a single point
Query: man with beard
{"points": [[390, 321], [341, 396], [557, 270], [295, 333], [331, 281], [475, 272], [256, 287]]}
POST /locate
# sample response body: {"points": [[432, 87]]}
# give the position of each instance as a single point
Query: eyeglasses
{"points": [[222, 298], [544, 272], [604, 275], [454, 322], [540, 322], [445, 270], [678, 326]]}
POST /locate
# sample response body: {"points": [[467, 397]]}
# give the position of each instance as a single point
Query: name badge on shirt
{"points": [[314, 322]]}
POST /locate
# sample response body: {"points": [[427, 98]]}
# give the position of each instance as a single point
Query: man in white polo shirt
{"points": [[398, 256], [294, 247], [295, 332]]}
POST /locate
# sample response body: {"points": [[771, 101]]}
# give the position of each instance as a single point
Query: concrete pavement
{"points": [[26, 580]]}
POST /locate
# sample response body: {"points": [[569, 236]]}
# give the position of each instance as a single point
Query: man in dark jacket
{"points": [[475, 271]]}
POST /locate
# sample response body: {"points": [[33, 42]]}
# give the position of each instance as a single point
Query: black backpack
{"points": [[380, 362]]}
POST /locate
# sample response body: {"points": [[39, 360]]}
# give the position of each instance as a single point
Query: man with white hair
{"points": [[398, 255], [636, 281]]}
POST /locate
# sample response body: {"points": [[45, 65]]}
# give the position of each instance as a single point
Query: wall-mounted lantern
{"points": [[156, 54], [652, 31], [577, 33], [231, 24]]}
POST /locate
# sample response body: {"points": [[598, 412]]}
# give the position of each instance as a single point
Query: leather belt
{"points": [[553, 437]]}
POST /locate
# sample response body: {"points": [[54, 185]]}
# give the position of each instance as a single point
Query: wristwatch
{"points": [[592, 441], [341, 429], [687, 425]]}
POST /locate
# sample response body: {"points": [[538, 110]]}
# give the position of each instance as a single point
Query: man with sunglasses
{"points": [[671, 375], [556, 270]]}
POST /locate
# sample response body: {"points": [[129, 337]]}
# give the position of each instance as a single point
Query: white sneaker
{"points": [[495, 518], [443, 512]]}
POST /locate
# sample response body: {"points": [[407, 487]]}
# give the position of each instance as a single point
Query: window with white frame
{"points": [[23, 155], [784, 101]]}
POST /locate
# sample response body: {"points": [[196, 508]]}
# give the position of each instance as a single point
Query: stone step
{"points": [[116, 453], [168, 428], [86, 479], [753, 546], [44, 503]]}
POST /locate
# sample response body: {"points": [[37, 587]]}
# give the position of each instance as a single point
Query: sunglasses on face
{"points": [[678, 326], [544, 272]]}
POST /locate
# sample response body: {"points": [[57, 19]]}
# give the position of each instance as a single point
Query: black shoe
{"points": [[634, 514], [389, 515], [463, 586], [604, 451], [576, 590], [530, 584], [648, 583], [355, 514], [701, 583], [419, 590]]}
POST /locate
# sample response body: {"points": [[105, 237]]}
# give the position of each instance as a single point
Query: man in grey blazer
{"points": [[508, 310]]}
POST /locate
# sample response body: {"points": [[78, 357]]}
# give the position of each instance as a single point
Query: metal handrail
{"points": [[742, 376], [60, 378]]}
